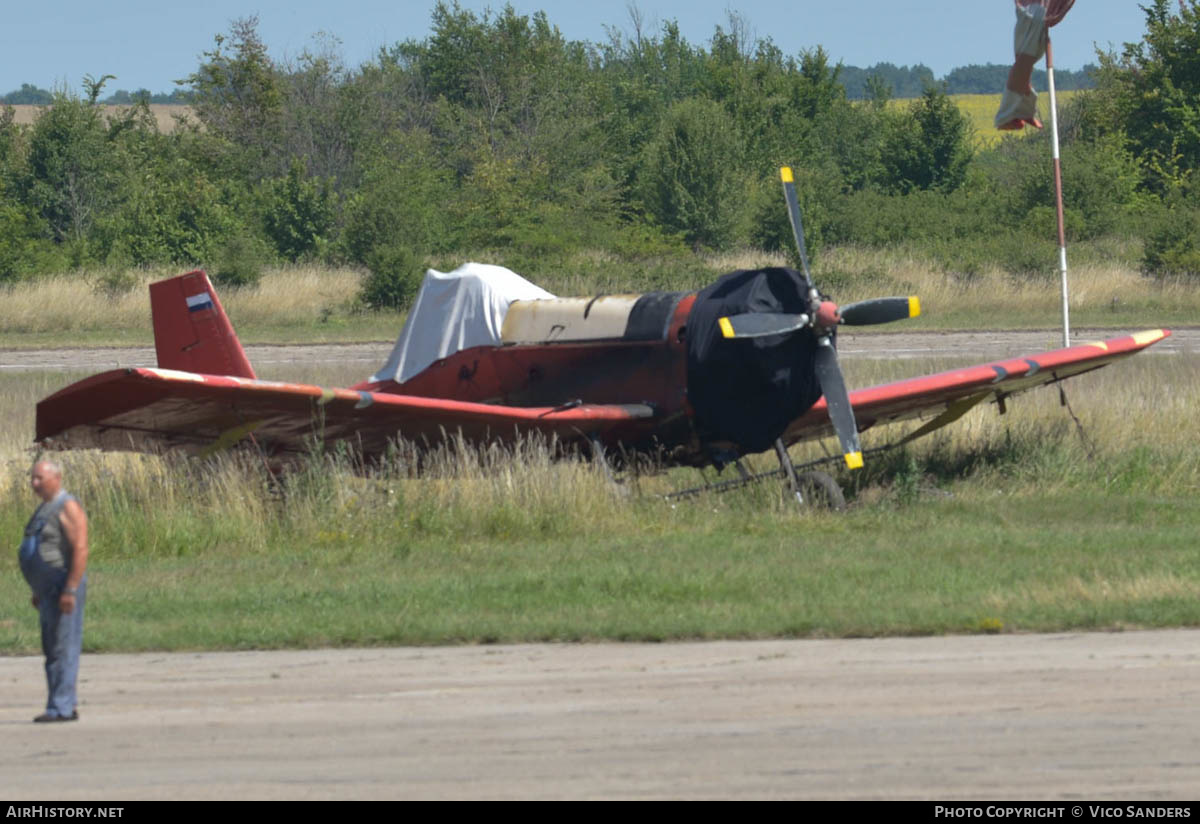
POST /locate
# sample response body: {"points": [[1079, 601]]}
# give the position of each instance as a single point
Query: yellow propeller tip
{"points": [[726, 327], [854, 460], [785, 174], [914, 306]]}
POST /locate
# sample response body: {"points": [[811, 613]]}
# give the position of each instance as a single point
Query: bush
{"points": [[299, 213], [1171, 247], [690, 181], [770, 228], [240, 262], [395, 273], [1013, 251], [401, 201], [1041, 223], [1100, 183], [874, 219], [181, 219], [22, 255], [929, 146], [115, 283]]}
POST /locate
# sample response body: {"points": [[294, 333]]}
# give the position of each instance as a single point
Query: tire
{"points": [[820, 491]]}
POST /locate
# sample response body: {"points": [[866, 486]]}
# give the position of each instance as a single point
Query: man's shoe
{"points": [[50, 718]]}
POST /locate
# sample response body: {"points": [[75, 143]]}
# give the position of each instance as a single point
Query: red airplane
{"points": [[694, 379]]}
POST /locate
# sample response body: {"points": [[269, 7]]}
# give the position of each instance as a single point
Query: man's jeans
{"points": [[62, 641]]}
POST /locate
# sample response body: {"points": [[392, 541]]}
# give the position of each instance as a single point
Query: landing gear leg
{"points": [[599, 457], [789, 470], [815, 489], [742, 470]]}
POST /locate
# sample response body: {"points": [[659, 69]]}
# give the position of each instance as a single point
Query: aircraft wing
{"points": [[152, 410], [947, 396], [160, 409]]}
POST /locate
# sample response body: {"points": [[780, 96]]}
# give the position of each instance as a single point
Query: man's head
{"points": [[46, 479]]}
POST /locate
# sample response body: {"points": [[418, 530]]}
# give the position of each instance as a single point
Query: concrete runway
{"points": [[1034, 717]]}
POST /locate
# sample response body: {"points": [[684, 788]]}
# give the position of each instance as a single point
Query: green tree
{"points": [[641, 77], [72, 179], [402, 200], [928, 147], [691, 182], [173, 213], [1152, 92], [325, 114], [29, 95], [394, 275], [238, 96], [299, 213], [169, 205]]}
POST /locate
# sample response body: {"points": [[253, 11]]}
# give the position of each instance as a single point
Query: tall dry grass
{"points": [[1137, 419], [306, 303], [1136, 429], [1101, 293], [89, 302]]}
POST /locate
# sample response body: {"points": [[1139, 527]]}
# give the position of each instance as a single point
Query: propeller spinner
{"points": [[822, 318]]}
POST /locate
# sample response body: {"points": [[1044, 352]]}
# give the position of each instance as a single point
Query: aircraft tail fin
{"points": [[192, 333]]}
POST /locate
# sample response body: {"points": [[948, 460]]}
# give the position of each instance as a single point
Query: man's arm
{"points": [[75, 527]]}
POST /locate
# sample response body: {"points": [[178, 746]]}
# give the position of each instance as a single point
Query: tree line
{"points": [[902, 82], [497, 135], [30, 95]]}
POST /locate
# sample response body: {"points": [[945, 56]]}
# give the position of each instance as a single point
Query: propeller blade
{"points": [[880, 310], [789, 193], [760, 324], [837, 399]]}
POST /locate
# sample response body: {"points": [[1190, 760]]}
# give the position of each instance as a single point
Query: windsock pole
{"points": [[1058, 196]]}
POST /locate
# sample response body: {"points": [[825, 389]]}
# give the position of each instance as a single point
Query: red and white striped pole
{"points": [[1058, 195]]}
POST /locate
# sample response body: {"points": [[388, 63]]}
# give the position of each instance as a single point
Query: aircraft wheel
{"points": [[820, 491]]}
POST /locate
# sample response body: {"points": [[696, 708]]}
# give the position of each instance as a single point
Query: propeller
{"points": [[822, 318], [862, 313], [880, 310]]}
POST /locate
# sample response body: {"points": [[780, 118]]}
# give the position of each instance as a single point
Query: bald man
{"points": [[54, 555]]}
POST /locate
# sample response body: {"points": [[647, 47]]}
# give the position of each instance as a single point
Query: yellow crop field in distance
{"points": [[980, 110], [164, 113]]}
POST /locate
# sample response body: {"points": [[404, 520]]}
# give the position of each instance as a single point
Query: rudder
{"points": [[191, 330]]}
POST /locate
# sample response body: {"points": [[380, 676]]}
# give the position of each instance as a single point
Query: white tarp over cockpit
{"points": [[455, 311]]}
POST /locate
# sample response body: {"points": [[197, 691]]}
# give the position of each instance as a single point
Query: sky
{"points": [[150, 44]]}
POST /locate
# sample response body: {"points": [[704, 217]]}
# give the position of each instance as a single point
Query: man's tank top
{"points": [[53, 543]]}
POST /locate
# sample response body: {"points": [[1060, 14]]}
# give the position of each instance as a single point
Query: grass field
{"points": [[1011, 523]]}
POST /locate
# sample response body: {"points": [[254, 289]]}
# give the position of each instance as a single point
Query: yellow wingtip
{"points": [[785, 174], [914, 306], [726, 327], [854, 460], [1149, 336]]}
